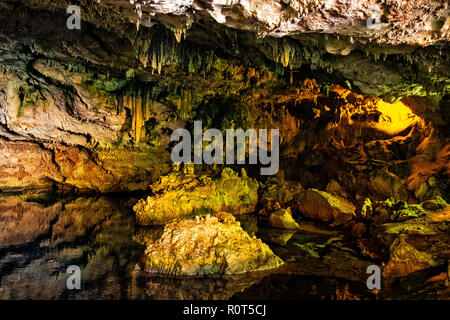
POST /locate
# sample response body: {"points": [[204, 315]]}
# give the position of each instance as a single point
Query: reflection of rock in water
{"points": [[207, 245], [41, 237], [205, 288], [280, 236], [179, 195], [42, 240], [22, 222], [289, 287]]}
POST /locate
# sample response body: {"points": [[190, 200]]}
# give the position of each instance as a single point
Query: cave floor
{"points": [[45, 233]]}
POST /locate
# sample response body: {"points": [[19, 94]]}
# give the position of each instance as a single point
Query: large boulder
{"points": [[323, 206], [182, 195], [390, 210], [282, 219], [207, 245], [417, 248], [24, 221], [405, 259], [429, 231], [385, 184], [278, 190]]}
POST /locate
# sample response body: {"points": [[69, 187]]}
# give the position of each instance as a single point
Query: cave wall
{"points": [[93, 109]]}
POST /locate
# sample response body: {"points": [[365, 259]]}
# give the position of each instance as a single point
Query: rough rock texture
{"points": [[415, 250], [372, 149], [78, 141], [391, 210], [363, 112], [398, 19], [26, 165], [23, 222], [109, 96], [209, 245], [405, 259], [41, 234], [282, 219], [329, 35], [277, 190], [221, 287], [179, 195], [323, 206]]}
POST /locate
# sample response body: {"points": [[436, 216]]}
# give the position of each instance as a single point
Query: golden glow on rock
{"points": [[394, 117], [390, 118]]}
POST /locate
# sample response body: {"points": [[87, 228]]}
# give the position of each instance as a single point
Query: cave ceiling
{"points": [[404, 53]]}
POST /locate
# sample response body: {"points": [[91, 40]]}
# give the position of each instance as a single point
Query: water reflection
{"points": [[42, 234], [40, 239]]}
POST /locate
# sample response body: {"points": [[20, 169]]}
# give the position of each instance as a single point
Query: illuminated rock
{"points": [[282, 219], [180, 195], [25, 164], [279, 190], [208, 245], [391, 210], [420, 243], [405, 259], [323, 206], [435, 204]]}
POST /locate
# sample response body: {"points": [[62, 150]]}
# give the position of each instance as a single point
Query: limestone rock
{"points": [[430, 233], [386, 184], [279, 190], [208, 245], [435, 204], [413, 244], [367, 209], [323, 206], [282, 219], [25, 164], [336, 189], [391, 210], [23, 221], [183, 195], [117, 96], [278, 18], [405, 259]]}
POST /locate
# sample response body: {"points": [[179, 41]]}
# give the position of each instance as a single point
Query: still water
{"points": [[42, 234]]}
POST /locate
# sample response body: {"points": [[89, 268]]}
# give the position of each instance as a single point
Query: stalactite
{"points": [[139, 99], [178, 33], [286, 54]]}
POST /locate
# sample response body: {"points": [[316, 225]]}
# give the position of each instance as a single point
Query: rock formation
{"points": [[359, 91], [322, 206], [183, 195], [209, 245], [282, 219]]}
